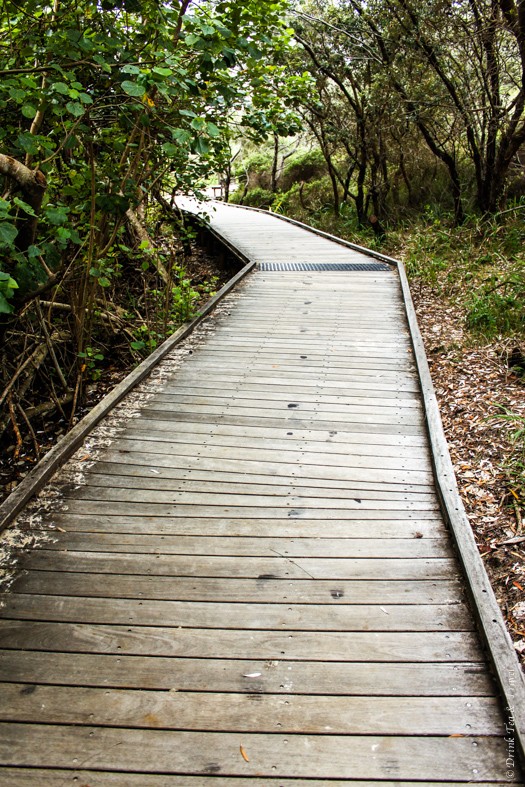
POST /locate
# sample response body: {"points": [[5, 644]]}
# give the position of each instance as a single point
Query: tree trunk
{"points": [[275, 163], [32, 184], [142, 236]]}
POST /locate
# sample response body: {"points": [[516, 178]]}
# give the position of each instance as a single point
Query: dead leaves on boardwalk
{"points": [[472, 384]]}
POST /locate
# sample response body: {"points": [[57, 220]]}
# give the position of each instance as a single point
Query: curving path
{"points": [[253, 583]]}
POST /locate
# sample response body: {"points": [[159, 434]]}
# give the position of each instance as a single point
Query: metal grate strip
{"points": [[319, 266]]}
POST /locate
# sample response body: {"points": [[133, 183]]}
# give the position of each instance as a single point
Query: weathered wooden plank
{"points": [[275, 528], [285, 453], [256, 323], [314, 715], [158, 751], [175, 395], [353, 325], [183, 498], [327, 413], [291, 310], [252, 547], [354, 342], [28, 777], [261, 485], [287, 421], [278, 677], [396, 380], [381, 647], [242, 512], [307, 387], [392, 414], [265, 361], [212, 427], [372, 381], [248, 567], [306, 341], [296, 308], [266, 590], [216, 615], [409, 470], [203, 429]]}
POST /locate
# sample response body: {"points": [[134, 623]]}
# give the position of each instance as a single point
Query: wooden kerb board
{"points": [[253, 583]]}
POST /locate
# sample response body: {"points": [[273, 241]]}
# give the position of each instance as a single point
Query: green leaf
{"points": [[63, 233], [29, 111], [34, 251], [75, 108], [56, 216], [28, 143], [16, 94], [99, 60], [8, 233], [201, 146], [73, 35], [85, 98], [132, 88], [25, 207], [137, 345], [5, 307], [212, 129], [170, 149], [7, 284], [163, 72], [60, 87], [198, 124], [181, 135], [104, 282], [130, 70], [191, 39]]}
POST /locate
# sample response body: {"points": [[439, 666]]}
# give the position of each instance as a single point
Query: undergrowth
{"points": [[514, 465]]}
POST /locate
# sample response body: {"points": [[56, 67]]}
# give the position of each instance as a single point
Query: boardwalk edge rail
{"points": [[500, 648], [64, 449]]}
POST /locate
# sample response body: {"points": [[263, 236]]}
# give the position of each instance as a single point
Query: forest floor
{"points": [[475, 387]]}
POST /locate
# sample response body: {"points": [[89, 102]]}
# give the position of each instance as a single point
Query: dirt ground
{"points": [[473, 386]]}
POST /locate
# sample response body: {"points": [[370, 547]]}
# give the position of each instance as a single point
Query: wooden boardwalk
{"points": [[253, 584]]}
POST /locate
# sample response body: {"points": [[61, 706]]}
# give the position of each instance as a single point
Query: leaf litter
{"points": [[473, 386]]}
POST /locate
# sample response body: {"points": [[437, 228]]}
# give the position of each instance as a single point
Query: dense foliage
{"points": [[401, 81], [106, 103]]}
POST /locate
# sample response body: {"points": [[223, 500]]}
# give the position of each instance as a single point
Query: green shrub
{"points": [[498, 308], [302, 167], [258, 198]]}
